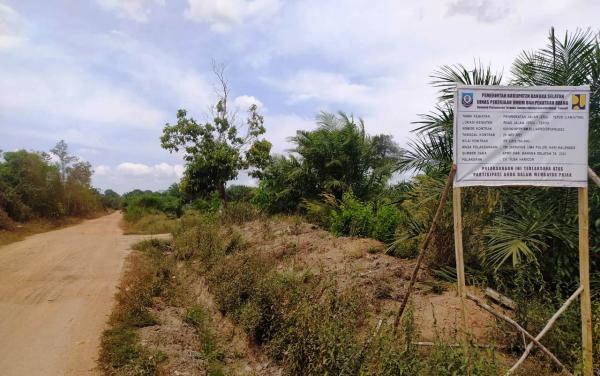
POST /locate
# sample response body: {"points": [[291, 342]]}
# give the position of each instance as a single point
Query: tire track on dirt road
{"points": [[56, 292]]}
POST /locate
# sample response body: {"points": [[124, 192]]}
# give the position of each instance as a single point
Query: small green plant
{"points": [[235, 243], [352, 217], [196, 316], [383, 290], [385, 222]]}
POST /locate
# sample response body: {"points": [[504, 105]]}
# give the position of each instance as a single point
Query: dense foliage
{"points": [[215, 152], [48, 185], [138, 203], [337, 157], [532, 226]]}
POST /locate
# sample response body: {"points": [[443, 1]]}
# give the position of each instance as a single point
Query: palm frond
{"points": [[447, 77], [426, 152]]}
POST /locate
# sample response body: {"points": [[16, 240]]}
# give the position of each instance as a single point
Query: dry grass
{"points": [[150, 224], [22, 230]]}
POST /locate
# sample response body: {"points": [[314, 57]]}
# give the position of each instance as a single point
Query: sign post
{"points": [[525, 136]]}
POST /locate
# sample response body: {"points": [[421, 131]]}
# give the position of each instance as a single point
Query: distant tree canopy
{"points": [[337, 157], [32, 185], [138, 203], [215, 152]]}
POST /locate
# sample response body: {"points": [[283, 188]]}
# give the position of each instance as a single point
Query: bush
{"points": [[150, 276], [235, 279], [202, 239], [152, 224], [240, 193], [352, 217], [239, 212], [138, 204], [210, 204], [6, 223], [355, 218], [385, 222]]}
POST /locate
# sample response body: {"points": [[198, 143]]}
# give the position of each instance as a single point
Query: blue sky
{"points": [[105, 75]]}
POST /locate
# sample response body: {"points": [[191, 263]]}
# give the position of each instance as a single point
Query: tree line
{"points": [[49, 185]]}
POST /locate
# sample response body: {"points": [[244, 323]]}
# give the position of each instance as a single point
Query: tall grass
{"points": [[149, 275], [308, 323]]}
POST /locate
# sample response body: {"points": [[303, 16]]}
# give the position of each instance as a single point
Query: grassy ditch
{"points": [[148, 276], [308, 322], [149, 224]]}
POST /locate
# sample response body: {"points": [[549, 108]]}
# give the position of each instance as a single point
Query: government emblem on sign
{"points": [[467, 99], [578, 102]]}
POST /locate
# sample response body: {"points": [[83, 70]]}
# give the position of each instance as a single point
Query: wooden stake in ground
{"points": [[584, 281], [519, 328], [424, 246], [545, 330]]}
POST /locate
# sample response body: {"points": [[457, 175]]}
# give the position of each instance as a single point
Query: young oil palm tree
{"points": [[432, 148]]}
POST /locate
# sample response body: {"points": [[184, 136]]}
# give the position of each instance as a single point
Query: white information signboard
{"points": [[511, 135]]}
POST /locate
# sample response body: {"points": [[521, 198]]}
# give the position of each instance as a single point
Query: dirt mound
{"points": [[364, 263]]}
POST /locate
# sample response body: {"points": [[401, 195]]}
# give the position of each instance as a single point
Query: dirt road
{"points": [[56, 291]]}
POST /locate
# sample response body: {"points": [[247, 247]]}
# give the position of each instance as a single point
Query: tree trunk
{"points": [[222, 194]]}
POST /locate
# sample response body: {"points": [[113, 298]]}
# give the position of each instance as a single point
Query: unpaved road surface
{"points": [[56, 292]]}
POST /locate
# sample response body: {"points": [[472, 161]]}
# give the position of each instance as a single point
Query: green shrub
{"points": [[202, 239], [240, 193], [150, 224], [352, 217], [320, 338], [235, 278], [211, 204], [451, 361], [320, 211], [137, 204], [385, 222], [390, 355], [6, 223], [239, 212]]}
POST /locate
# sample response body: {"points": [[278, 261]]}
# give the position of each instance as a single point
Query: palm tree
{"points": [[432, 148]]}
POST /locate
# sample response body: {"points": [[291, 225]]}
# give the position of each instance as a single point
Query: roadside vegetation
{"points": [[40, 191], [310, 265]]}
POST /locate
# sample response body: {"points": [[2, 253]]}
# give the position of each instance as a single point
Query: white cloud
{"points": [[243, 102], [161, 170], [157, 72], [12, 28], [127, 176], [102, 170], [70, 93], [222, 15], [137, 10], [282, 126], [134, 169], [482, 10], [323, 86]]}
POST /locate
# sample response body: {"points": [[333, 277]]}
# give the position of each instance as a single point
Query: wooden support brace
{"points": [[593, 176], [545, 330], [424, 246], [519, 328], [431, 344]]}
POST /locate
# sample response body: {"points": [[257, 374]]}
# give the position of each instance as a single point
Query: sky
{"points": [[106, 75]]}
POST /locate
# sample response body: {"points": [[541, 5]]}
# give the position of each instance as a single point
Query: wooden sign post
{"points": [[524, 136], [584, 281], [460, 261]]}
